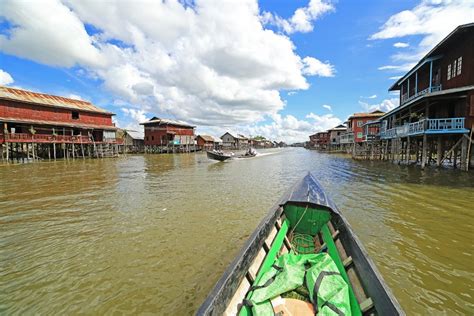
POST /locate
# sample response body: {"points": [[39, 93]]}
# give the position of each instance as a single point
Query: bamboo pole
{"points": [[468, 158]]}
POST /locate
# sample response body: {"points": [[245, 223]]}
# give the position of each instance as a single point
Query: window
{"points": [[153, 138], [459, 65], [449, 71], [75, 115], [455, 63], [147, 138], [359, 135], [360, 123]]}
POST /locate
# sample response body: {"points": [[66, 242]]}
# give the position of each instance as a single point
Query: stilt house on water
{"points": [[319, 141], [354, 139], [335, 137], [168, 136], [207, 142], [434, 122], [42, 126]]}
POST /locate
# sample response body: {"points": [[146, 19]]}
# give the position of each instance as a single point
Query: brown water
{"points": [[152, 234]]}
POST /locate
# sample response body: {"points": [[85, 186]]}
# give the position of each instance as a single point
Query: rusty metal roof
{"points": [[209, 138], [160, 121], [19, 95], [371, 114]]}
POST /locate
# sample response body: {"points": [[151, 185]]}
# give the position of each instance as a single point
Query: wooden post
{"points": [[54, 150], [468, 158], [407, 152], [464, 157], [439, 151], [33, 150], [72, 145], [64, 144], [455, 157], [424, 156]]}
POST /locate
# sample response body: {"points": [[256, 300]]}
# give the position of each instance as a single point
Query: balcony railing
{"points": [[347, 138], [405, 98], [427, 126], [371, 137], [46, 138]]}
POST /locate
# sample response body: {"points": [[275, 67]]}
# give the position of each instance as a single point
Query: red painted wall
{"points": [[19, 110], [359, 129], [322, 138], [201, 142], [156, 134]]}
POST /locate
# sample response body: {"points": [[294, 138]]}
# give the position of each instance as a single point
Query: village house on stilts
{"points": [[168, 136], [434, 122], [38, 126]]}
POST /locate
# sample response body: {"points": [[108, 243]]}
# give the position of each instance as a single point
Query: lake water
{"points": [[153, 233]]}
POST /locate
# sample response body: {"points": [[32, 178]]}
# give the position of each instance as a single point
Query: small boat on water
{"points": [[221, 156], [302, 259], [218, 155], [249, 153]]}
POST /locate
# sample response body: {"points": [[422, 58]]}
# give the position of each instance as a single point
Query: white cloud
{"points": [[5, 78], [74, 96], [386, 105], [302, 19], [327, 106], [315, 67], [395, 77], [48, 32], [396, 68], [135, 116], [290, 129], [432, 19], [210, 63], [401, 45], [291, 93], [373, 96]]}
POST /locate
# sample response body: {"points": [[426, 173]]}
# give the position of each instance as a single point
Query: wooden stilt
{"points": [[82, 149], [407, 151], [424, 156], [464, 158], [439, 151], [468, 158]]}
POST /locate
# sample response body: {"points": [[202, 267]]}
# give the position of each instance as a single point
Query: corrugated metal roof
{"points": [[338, 128], [26, 96], [371, 114], [207, 138], [134, 134], [156, 120], [54, 123]]}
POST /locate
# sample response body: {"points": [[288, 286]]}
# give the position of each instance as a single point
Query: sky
{"points": [[277, 68]]}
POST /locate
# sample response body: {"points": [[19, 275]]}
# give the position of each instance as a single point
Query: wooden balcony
{"points": [[405, 98], [48, 138], [427, 126], [347, 138]]}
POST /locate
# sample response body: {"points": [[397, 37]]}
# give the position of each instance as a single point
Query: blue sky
{"points": [[262, 68]]}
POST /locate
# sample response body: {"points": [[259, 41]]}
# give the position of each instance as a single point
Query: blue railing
{"points": [[347, 138], [426, 126], [405, 98]]}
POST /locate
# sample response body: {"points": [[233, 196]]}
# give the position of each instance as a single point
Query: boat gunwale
{"points": [[217, 300]]}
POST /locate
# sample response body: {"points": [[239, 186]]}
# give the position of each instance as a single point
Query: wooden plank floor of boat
{"points": [[364, 301]]}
